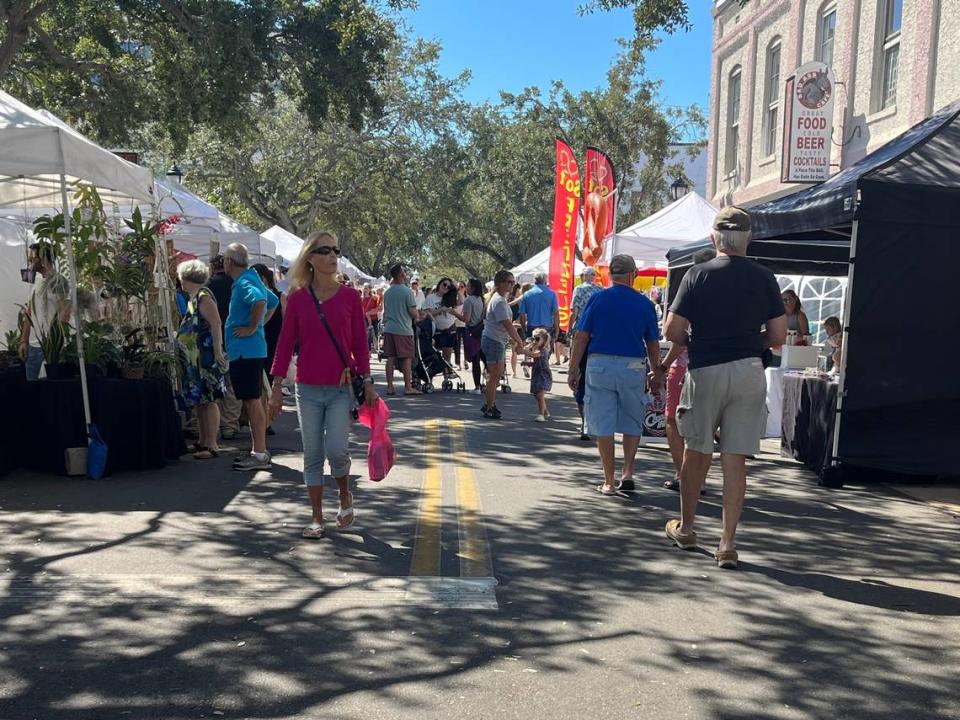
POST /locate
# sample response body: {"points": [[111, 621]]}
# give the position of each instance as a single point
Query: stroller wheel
{"points": [[427, 388], [446, 386], [506, 390]]}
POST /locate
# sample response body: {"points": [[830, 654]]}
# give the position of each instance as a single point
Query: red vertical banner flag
{"points": [[600, 205], [563, 239]]}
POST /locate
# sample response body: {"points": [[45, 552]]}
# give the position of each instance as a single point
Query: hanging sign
{"points": [[808, 124], [566, 212]]}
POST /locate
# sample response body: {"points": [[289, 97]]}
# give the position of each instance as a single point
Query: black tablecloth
{"points": [[136, 418], [809, 412]]}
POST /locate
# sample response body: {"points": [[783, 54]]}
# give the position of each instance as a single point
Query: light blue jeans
{"points": [[324, 412], [34, 362]]}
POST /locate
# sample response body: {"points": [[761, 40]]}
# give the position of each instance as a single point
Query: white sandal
{"points": [[314, 531], [345, 516]]}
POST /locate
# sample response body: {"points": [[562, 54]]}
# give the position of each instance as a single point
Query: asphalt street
{"points": [[484, 578]]}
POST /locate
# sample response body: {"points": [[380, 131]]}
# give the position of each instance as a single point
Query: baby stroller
{"points": [[428, 362]]}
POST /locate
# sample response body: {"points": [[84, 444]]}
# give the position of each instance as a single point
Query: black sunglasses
{"points": [[325, 250]]}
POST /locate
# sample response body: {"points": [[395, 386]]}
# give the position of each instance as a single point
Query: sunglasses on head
{"points": [[325, 250]]}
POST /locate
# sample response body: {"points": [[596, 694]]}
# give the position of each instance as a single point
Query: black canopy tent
{"points": [[892, 223]]}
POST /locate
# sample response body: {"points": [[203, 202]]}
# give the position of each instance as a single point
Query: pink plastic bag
{"points": [[380, 453]]}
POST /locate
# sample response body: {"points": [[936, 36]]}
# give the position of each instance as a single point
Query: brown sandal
{"points": [[726, 559], [205, 453], [681, 540]]}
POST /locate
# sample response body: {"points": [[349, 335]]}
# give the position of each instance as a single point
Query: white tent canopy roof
{"points": [[539, 263], [689, 219], [288, 245], [36, 149]]}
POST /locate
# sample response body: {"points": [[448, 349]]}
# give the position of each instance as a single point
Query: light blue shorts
{"points": [[616, 395], [493, 350]]}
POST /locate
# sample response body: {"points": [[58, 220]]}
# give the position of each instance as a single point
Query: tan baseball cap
{"points": [[622, 265], [732, 218]]}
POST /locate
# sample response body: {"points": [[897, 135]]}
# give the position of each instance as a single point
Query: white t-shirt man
{"points": [[45, 305]]}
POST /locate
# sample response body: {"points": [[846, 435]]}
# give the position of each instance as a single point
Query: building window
{"points": [[826, 30], [731, 161], [771, 99], [890, 18]]}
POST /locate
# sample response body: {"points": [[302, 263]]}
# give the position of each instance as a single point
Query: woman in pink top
{"points": [[324, 396]]}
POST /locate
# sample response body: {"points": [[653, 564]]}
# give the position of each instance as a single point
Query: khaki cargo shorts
{"points": [[731, 397]]}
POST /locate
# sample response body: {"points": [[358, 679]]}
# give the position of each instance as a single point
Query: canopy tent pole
{"points": [[844, 349], [72, 267]]}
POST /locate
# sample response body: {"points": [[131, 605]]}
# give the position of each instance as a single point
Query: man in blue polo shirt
{"points": [[251, 306], [539, 308], [618, 328]]}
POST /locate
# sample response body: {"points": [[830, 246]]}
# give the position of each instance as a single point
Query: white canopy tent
{"points": [[540, 263], [201, 223], [286, 243], [689, 219], [40, 159]]}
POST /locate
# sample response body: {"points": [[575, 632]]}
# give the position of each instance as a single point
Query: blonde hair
{"points": [[301, 274], [540, 339]]}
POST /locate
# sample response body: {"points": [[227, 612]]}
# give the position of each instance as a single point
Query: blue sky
{"points": [[515, 44]]}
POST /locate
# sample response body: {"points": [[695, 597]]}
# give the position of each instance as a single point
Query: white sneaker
{"points": [[476, 391], [540, 418]]}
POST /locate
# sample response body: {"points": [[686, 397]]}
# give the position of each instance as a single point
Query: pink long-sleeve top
{"points": [[318, 362]]}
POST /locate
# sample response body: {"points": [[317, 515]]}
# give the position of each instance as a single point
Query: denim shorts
{"points": [[493, 350], [616, 396]]}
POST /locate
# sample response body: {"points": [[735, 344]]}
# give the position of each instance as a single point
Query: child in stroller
{"points": [[428, 362]]}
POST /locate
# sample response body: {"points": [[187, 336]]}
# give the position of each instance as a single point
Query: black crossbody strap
{"points": [[333, 339]]}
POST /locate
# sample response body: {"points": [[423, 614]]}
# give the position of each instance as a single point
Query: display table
{"points": [[809, 413], [136, 418]]}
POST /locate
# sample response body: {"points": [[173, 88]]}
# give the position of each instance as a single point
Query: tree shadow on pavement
{"points": [[833, 615]]}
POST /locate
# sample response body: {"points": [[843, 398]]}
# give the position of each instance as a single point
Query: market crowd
{"points": [[248, 339]]}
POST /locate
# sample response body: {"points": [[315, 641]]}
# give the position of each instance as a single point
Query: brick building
{"points": [[895, 62]]}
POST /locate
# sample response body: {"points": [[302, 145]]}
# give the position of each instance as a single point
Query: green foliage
{"points": [[110, 66], [11, 340], [99, 348], [53, 342], [133, 350]]}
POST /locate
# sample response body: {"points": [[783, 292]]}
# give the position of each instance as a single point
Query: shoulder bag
{"points": [[357, 383]]}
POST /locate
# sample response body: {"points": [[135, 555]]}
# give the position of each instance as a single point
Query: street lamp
{"points": [[679, 188], [175, 173]]}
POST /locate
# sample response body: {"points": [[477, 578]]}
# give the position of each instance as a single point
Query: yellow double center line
{"points": [[474, 550]]}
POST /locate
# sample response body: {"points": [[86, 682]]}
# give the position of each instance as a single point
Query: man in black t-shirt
{"points": [[719, 312]]}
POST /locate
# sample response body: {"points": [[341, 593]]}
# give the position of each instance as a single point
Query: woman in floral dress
{"points": [[200, 353]]}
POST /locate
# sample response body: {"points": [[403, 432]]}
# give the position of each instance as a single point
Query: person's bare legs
{"points": [[513, 362], [208, 424], [495, 370], [406, 365], [630, 445], [346, 497], [389, 371], [316, 503], [258, 424], [606, 447], [676, 444], [734, 491], [693, 472], [542, 403]]}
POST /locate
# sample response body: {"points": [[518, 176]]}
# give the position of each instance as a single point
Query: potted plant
{"points": [[160, 364], [10, 356], [53, 344], [134, 355]]}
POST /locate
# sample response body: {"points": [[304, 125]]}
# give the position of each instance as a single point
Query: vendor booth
{"points": [[45, 165], [889, 223]]}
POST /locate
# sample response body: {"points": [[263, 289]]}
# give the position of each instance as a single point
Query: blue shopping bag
{"points": [[96, 454]]}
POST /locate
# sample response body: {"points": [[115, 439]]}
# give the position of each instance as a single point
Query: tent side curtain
{"points": [[891, 419], [833, 203]]}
